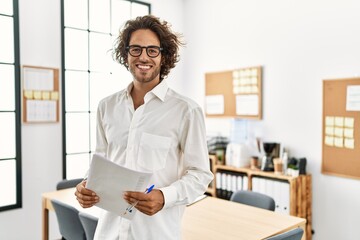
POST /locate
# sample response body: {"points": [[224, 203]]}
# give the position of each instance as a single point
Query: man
{"points": [[150, 127]]}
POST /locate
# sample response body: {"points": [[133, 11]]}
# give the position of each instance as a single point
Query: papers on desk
{"points": [[109, 180]]}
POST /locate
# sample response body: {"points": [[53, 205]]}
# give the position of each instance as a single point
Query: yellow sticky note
{"points": [[254, 89], [254, 80], [37, 95], [254, 72], [45, 95], [54, 95], [349, 132], [329, 141], [349, 122], [28, 94], [236, 74], [329, 131], [338, 132], [339, 142], [349, 143], [339, 121], [329, 121]]}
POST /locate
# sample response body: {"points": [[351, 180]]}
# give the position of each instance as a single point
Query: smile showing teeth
{"points": [[144, 67]]}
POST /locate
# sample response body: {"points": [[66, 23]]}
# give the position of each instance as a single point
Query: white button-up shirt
{"points": [[166, 135]]}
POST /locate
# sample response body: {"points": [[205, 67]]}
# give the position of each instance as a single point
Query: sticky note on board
{"points": [[54, 95], [339, 132], [329, 131], [37, 95], [28, 94], [329, 141], [339, 142], [339, 121], [349, 132], [349, 143], [349, 122], [329, 121], [45, 95]]}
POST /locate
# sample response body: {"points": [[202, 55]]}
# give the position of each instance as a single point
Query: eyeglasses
{"points": [[151, 51]]}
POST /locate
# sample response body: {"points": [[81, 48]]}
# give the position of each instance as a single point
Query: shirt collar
{"points": [[159, 90]]}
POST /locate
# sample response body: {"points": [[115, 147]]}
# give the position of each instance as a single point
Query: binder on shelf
{"points": [[218, 184]]}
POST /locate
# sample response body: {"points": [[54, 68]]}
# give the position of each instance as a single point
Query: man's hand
{"points": [[85, 197], [149, 203]]}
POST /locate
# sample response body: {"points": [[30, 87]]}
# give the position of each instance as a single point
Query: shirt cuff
{"points": [[170, 196]]}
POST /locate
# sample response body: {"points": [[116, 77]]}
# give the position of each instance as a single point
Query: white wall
{"points": [[298, 43]]}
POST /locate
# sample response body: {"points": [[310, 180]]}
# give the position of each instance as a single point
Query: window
{"points": [[10, 122], [89, 28]]}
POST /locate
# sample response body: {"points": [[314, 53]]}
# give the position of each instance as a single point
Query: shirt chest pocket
{"points": [[153, 151]]}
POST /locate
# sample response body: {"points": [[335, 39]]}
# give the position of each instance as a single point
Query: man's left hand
{"points": [[147, 203]]}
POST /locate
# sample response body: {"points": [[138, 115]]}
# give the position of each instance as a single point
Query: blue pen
{"points": [[131, 206]]}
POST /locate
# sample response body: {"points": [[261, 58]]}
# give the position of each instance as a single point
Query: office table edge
{"points": [[47, 206]]}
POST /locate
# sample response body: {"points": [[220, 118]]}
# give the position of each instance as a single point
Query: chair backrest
{"points": [[89, 223], [293, 234], [68, 183], [68, 219], [253, 199]]}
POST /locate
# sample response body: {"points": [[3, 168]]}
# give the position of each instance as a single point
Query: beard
{"points": [[146, 76]]}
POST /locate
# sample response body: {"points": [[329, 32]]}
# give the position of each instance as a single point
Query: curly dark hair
{"points": [[169, 41]]}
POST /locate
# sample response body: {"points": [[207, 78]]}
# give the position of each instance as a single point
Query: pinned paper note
{"points": [[353, 98], [214, 104]]}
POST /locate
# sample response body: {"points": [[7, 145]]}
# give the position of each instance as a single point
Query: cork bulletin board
{"points": [[235, 93], [341, 128], [40, 94]]}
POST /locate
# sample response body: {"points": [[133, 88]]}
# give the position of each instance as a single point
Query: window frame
{"points": [[63, 83], [17, 111]]}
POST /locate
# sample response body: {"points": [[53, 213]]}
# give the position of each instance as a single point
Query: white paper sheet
{"points": [[214, 104], [110, 180]]}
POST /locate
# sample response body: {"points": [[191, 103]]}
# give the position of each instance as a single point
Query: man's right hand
{"points": [[85, 197]]}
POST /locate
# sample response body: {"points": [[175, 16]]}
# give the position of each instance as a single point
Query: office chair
{"points": [[68, 183], [89, 223], [68, 219], [294, 234], [253, 199]]}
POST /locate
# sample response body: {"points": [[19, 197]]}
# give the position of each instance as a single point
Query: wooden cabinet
{"points": [[295, 192]]}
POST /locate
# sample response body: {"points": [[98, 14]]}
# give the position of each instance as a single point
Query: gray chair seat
{"points": [[68, 219], [294, 234], [253, 199], [89, 223], [68, 183]]}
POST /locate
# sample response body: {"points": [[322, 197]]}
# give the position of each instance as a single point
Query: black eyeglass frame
{"points": [[147, 50]]}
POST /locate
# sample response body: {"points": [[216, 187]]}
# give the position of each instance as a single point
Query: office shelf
{"points": [[297, 191]]}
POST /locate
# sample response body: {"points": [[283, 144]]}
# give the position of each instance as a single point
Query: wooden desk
{"points": [[210, 218]]}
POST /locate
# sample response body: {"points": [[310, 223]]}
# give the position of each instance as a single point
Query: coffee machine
{"points": [[272, 150]]}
